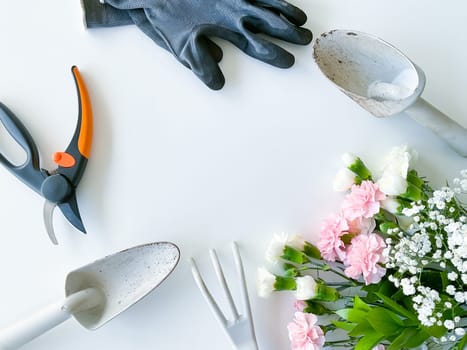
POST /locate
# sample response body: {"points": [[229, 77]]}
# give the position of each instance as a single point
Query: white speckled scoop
{"points": [[382, 80], [124, 278], [99, 291]]}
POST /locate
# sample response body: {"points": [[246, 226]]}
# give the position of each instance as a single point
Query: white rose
{"points": [[265, 282], [393, 180], [306, 288], [344, 180], [392, 184], [278, 243], [390, 204], [296, 242], [397, 161]]}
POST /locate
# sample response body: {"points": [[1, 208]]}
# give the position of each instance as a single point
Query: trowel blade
{"points": [[124, 278]]}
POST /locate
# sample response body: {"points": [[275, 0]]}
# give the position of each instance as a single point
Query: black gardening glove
{"points": [[184, 27]]}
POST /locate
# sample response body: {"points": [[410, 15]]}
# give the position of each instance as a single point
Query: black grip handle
{"points": [[29, 172]]}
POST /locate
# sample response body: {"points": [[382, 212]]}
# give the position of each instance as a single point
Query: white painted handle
{"points": [[248, 346], [427, 115], [26, 330]]}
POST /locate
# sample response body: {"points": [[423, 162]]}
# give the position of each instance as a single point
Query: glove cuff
{"points": [[97, 14]]}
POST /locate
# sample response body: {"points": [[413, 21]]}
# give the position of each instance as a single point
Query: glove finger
{"points": [[203, 63], [214, 49], [268, 23], [265, 51], [254, 46], [277, 27], [269, 53], [289, 11]]}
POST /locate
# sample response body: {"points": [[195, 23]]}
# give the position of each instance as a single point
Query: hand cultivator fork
{"points": [[239, 328]]}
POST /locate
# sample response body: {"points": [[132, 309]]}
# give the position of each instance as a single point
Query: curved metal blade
{"points": [[48, 220], [71, 212]]}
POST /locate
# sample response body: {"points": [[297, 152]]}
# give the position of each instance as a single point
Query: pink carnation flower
{"points": [[363, 257], [299, 305], [362, 225], [330, 244], [362, 201], [304, 333]]}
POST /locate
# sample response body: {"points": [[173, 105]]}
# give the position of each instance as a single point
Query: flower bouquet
{"points": [[389, 270]]}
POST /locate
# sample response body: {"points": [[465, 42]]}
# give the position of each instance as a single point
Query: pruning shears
{"points": [[58, 187]]}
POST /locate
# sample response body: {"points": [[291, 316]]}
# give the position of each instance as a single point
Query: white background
{"points": [[173, 160]]}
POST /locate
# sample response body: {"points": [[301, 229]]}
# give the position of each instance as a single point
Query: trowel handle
{"points": [[429, 116], [26, 330]]}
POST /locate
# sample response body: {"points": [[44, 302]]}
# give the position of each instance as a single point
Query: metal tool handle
{"points": [[26, 330], [451, 132]]}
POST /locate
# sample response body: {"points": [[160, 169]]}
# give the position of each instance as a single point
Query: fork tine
{"points": [[222, 281], [244, 289], [207, 295]]}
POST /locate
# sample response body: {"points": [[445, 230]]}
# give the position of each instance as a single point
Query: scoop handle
{"points": [[452, 133], [26, 330]]}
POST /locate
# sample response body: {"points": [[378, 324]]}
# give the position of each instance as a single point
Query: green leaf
{"points": [[462, 345], [411, 337], [435, 331], [385, 226], [352, 315], [285, 283], [291, 272], [414, 179], [433, 279], [313, 307], [325, 293], [347, 326], [294, 255], [384, 321], [369, 341], [360, 304], [412, 193], [311, 251], [396, 307], [359, 168], [384, 287], [361, 329]]}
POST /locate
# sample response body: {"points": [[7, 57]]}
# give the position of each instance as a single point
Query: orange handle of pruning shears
{"points": [[85, 133], [73, 161]]}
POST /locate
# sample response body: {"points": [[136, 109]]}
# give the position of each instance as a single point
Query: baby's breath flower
{"points": [[452, 276], [407, 287], [459, 297], [449, 324], [450, 289]]}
